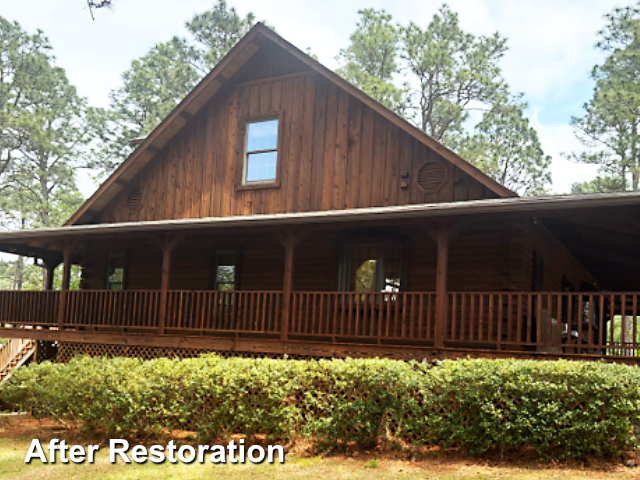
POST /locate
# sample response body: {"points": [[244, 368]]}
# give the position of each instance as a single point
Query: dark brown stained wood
{"points": [[319, 126], [334, 153], [303, 184], [366, 158], [295, 145], [284, 153], [378, 172], [330, 147], [341, 147], [406, 152], [228, 187], [266, 57], [353, 154], [391, 179]]}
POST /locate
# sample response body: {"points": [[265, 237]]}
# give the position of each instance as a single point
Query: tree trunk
{"points": [[18, 274]]}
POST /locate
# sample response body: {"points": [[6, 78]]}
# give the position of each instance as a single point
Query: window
{"points": [[116, 272], [225, 271], [370, 268], [261, 152]]}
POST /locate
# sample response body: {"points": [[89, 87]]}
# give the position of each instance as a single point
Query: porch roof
{"points": [[535, 205], [601, 231]]}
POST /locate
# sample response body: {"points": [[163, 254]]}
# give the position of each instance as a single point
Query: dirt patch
{"points": [[384, 456]]}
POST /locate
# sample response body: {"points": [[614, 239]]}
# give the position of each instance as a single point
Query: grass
{"points": [[16, 435]]}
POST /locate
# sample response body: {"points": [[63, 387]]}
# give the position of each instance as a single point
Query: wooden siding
{"points": [[483, 258], [335, 153]]}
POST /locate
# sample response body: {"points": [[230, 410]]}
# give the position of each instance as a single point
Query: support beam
{"points": [[67, 250], [166, 244], [49, 268], [441, 233], [313, 349], [289, 239]]}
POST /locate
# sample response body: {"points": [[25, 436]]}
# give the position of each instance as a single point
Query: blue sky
{"points": [[551, 46]]}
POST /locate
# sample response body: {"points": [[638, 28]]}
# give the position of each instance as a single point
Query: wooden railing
{"points": [[589, 323], [584, 323], [342, 315], [28, 307], [112, 308], [234, 312], [10, 349]]}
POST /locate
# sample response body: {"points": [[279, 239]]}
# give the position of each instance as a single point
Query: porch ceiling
{"points": [[611, 255]]}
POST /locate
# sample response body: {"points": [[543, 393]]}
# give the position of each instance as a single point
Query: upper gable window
{"points": [[261, 152]]}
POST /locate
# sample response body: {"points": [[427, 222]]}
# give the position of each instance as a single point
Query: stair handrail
{"points": [[11, 349]]}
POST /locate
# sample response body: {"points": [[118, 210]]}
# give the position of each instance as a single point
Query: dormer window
{"points": [[261, 152]]}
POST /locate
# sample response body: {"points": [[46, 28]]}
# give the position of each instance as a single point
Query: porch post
{"points": [[166, 244], [50, 268], [67, 251], [287, 283], [441, 283], [289, 240], [442, 233]]}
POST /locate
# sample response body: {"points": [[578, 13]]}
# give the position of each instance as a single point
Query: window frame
{"points": [[242, 183], [382, 248], [217, 253], [125, 267]]}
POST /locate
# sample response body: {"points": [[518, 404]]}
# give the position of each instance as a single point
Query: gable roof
{"points": [[213, 82]]}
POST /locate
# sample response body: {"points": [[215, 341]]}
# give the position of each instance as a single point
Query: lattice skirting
{"points": [[66, 350]]}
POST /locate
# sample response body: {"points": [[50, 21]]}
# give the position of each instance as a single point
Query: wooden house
{"points": [[280, 210]]}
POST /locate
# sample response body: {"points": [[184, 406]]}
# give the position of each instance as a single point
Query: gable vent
{"points": [[269, 62], [134, 203], [432, 176]]}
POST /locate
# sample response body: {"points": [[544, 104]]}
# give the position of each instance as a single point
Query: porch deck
{"points": [[399, 325]]}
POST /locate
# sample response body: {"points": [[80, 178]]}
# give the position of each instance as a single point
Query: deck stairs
{"points": [[13, 354]]}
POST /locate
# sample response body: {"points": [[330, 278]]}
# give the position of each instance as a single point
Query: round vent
{"points": [[432, 176]]}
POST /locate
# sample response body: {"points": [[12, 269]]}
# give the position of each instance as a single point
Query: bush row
{"points": [[562, 409]]}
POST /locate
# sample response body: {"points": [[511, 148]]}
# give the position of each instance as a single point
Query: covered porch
{"points": [[291, 295]]}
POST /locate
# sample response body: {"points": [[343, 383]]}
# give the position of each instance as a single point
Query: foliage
{"points": [[44, 137], [454, 70], [507, 148], [448, 74], [562, 409], [369, 62], [609, 127]]}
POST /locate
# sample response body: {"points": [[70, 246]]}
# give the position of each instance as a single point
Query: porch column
{"points": [[441, 233], [441, 284], [67, 251], [289, 240], [49, 268], [166, 244]]}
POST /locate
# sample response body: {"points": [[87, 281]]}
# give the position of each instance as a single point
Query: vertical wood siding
{"points": [[335, 153]]}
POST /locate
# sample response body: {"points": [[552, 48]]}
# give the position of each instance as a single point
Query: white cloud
{"points": [[557, 140]]}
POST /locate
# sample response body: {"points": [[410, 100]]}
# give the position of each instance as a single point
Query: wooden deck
{"points": [[519, 324]]}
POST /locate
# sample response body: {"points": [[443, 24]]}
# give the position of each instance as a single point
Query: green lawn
{"points": [[15, 440]]}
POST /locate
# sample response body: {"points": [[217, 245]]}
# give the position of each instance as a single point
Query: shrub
{"points": [[561, 408]]}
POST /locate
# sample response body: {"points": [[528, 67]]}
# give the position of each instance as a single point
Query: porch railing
{"points": [[213, 311], [596, 323], [383, 315], [33, 308], [584, 323]]}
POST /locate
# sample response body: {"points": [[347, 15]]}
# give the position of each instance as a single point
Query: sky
{"points": [[551, 47]]}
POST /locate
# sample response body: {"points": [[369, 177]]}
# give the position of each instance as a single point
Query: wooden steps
{"points": [[13, 354]]}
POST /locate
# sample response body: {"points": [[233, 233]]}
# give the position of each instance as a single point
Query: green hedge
{"points": [[562, 409]]}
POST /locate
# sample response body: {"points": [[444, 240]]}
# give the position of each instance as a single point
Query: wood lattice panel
{"points": [[67, 350]]}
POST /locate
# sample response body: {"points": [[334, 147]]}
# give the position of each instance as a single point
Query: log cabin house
{"points": [[280, 210]]}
